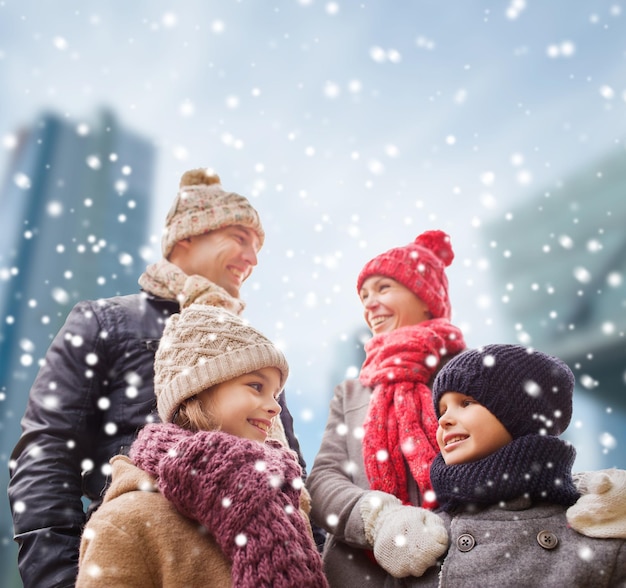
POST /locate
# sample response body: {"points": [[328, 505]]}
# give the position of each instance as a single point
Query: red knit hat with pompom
{"points": [[420, 266]]}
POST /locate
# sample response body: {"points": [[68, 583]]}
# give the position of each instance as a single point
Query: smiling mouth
{"points": [[265, 427], [377, 320], [456, 439]]}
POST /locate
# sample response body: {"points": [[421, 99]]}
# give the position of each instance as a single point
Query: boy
{"points": [[503, 478]]}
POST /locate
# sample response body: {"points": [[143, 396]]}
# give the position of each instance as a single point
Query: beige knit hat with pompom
{"points": [[203, 346], [202, 205]]}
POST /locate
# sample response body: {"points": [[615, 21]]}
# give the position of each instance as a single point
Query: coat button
{"points": [[465, 542], [547, 540]]}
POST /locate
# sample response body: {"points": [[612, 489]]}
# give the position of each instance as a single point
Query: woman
{"points": [[372, 469]]}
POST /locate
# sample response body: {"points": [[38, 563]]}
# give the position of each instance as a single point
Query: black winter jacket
{"points": [[90, 398]]}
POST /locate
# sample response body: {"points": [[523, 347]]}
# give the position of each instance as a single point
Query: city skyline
{"points": [[352, 127]]}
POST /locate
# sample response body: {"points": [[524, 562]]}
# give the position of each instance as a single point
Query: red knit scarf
{"points": [[401, 423]]}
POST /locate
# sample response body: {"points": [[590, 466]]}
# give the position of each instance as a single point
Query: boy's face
{"points": [[247, 405], [389, 305], [467, 430]]}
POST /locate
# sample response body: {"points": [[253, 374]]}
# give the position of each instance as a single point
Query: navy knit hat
{"points": [[528, 391]]}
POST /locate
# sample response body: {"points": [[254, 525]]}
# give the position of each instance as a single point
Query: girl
{"points": [[206, 498]]}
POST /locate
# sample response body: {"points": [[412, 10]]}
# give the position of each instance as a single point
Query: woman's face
{"points": [[388, 305]]}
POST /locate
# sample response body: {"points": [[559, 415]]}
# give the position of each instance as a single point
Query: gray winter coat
{"points": [[336, 483], [523, 548]]}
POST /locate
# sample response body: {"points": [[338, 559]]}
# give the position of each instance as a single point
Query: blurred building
{"points": [[349, 354], [75, 211], [559, 262]]}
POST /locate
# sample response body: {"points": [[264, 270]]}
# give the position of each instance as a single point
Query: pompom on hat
{"points": [[528, 391], [420, 266], [202, 205], [203, 346]]}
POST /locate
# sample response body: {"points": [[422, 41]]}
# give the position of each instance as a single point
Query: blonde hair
{"points": [[194, 416]]}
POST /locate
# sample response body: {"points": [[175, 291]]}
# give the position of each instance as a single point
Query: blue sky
{"points": [[351, 126]]}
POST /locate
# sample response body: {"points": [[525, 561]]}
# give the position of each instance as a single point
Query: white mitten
{"points": [[407, 540], [601, 510]]}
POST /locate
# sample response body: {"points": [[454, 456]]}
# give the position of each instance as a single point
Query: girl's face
{"points": [[467, 430], [388, 305], [247, 405]]}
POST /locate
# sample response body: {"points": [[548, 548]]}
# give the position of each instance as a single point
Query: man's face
{"points": [[225, 256]]}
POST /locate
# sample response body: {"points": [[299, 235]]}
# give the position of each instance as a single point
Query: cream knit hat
{"points": [[202, 205], [203, 346]]}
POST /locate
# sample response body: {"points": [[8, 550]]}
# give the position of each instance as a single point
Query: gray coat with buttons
{"points": [[338, 481], [522, 546]]}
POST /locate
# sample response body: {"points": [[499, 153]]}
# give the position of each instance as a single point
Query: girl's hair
{"points": [[195, 416]]}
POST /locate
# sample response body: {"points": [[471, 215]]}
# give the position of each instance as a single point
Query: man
{"points": [[95, 389]]}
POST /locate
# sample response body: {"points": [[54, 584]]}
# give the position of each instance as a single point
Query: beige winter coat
{"points": [[138, 539]]}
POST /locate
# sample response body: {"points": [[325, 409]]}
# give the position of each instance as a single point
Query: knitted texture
{"points": [[420, 266], [245, 493], [401, 422], [528, 391], [535, 466], [202, 205], [203, 346], [167, 280], [407, 540], [601, 511]]}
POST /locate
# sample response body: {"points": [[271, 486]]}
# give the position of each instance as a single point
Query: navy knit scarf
{"points": [[536, 466]]}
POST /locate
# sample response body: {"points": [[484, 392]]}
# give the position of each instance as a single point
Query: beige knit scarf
{"points": [[167, 280]]}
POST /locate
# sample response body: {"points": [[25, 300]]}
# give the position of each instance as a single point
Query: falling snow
{"points": [[352, 128]]}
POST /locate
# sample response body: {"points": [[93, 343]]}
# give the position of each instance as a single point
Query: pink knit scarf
{"points": [[401, 423], [245, 493]]}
